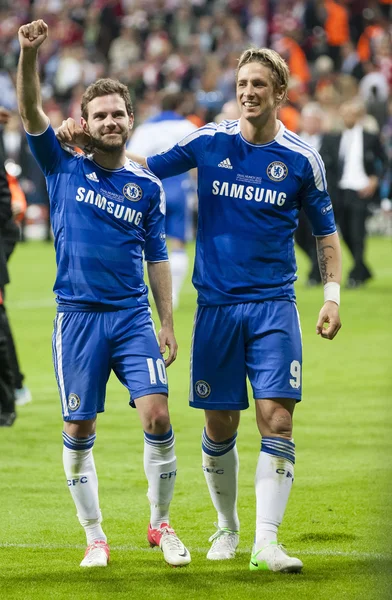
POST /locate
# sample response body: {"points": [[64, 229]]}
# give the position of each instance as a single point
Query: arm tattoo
{"points": [[323, 258]]}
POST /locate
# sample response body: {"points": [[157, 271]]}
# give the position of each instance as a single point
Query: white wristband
{"points": [[332, 292]]}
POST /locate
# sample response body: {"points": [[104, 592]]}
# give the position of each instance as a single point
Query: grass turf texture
{"points": [[338, 517]]}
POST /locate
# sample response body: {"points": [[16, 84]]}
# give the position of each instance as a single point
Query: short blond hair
{"points": [[271, 59]]}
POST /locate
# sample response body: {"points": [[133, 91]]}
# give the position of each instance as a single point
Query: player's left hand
{"points": [[370, 189], [329, 314], [167, 339]]}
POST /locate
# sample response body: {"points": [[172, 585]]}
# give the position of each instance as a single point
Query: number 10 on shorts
{"points": [[156, 368]]}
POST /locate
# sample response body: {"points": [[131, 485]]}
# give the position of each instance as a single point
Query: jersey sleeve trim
{"points": [[209, 129], [293, 142], [325, 234], [229, 127], [41, 132]]}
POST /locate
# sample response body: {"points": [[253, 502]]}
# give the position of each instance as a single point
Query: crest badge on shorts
{"points": [[202, 389], [277, 171], [132, 192], [73, 402]]}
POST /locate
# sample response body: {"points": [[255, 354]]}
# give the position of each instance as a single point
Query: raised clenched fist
{"points": [[33, 34]]}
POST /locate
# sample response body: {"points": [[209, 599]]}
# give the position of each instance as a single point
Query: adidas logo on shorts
{"points": [[226, 164]]}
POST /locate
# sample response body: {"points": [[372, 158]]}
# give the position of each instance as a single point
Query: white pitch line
{"points": [[132, 548]]}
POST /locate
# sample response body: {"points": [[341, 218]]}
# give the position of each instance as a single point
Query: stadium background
{"points": [[339, 515]]}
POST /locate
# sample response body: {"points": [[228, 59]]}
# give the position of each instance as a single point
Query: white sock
{"points": [[160, 467], [179, 268], [220, 466], [82, 481], [274, 479]]}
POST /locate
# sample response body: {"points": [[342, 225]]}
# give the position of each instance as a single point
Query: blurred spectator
{"points": [[109, 18], [9, 236], [374, 91], [69, 70], [181, 27], [374, 83], [226, 79], [8, 94], [290, 116], [367, 42], [30, 177], [386, 8], [295, 58], [323, 73], [356, 167], [209, 96], [124, 49], [297, 98], [311, 132], [327, 95], [312, 125], [336, 28], [350, 63], [347, 87], [230, 111], [383, 58], [204, 36], [387, 138], [257, 27], [7, 397]]}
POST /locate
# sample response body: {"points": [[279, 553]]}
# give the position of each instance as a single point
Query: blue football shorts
{"points": [[87, 346], [178, 222], [258, 340]]}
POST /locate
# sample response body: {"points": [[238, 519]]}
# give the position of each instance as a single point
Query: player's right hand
{"points": [[166, 339], [72, 134], [4, 115], [33, 34]]}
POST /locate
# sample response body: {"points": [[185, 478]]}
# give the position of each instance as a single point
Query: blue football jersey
{"points": [[249, 199], [103, 221]]}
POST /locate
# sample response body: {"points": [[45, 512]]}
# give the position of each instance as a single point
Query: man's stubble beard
{"points": [[111, 148]]}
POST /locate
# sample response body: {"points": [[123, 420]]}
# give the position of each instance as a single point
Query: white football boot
{"points": [[174, 551], [224, 544], [274, 558], [96, 555]]}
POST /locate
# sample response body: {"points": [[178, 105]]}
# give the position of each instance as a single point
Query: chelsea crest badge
{"points": [[73, 402], [277, 171], [132, 192], [202, 388]]}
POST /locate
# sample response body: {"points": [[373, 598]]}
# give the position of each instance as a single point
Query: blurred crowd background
{"points": [[336, 50]]}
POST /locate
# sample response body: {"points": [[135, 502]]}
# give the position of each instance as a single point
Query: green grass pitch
{"points": [[339, 514]]}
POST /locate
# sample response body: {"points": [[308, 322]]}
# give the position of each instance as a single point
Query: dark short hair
{"points": [[172, 101], [271, 59], [104, 87]]}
